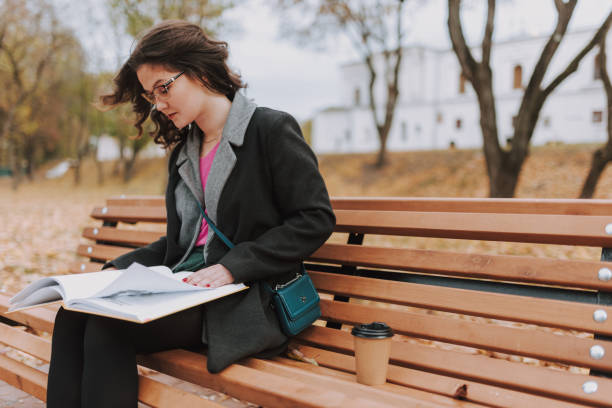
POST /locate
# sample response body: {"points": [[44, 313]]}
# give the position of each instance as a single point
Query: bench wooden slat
{"points": [[158, 394], [542, 345], [137, 200], [28, 343], [439, 204], [574, 274], [38, 318], [129, 214], [388, 386], [543, 229], [476, 205], [111, 234], [100, 251], [24, 377], [84, 266], [546, 229], [440, 384], [379, 394], [551, 313], [262, 388], [517, 376]]}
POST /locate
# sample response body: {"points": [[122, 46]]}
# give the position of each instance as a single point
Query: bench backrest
{"points": [[440, 272]]}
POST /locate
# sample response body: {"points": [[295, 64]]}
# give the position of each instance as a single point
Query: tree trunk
{"points": [[128, 168], [77, 172], [381, 158], [504, 177], [99, 169], [15, 159], [601, 157]]}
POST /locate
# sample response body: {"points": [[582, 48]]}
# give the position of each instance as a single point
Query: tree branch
{"points": [[573, 65], [565, 11], [487, 39], [466, 60]]}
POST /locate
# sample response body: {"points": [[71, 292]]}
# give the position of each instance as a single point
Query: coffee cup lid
{"points": [[374, 330]]}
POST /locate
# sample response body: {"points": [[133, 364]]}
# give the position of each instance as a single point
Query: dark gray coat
{"points": [[265, 193]]}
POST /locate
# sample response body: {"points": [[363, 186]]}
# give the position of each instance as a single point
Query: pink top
{"points": [[205, 165]]}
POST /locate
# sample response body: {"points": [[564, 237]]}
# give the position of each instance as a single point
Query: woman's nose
{"points": [[161, 105]]}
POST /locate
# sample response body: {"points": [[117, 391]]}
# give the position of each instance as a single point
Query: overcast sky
{"points": [[285, 76]]}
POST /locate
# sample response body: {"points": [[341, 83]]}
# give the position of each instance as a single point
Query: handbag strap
{"points": [[214, 227]]}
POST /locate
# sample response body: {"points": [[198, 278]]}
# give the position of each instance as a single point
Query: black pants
{"points": [[93, 358]]}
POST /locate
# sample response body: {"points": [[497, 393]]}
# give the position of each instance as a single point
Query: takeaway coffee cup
{"points": [[372, 348]]}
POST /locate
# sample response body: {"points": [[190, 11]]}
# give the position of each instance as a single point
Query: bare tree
{"points": [[504, 166], [603, 155], [377, 32]]}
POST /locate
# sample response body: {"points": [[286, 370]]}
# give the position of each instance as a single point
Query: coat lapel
{"points": [[188, 163], [225, 159]]}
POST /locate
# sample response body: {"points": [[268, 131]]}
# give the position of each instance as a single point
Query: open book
{"points": [[138, 294]]}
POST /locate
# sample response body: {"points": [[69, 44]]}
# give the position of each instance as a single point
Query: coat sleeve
{"points": [[303, 200]]}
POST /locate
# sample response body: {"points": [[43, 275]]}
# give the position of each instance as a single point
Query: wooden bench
{"points": [[476, 324]]}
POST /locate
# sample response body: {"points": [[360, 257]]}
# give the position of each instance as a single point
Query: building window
{"points": [[597, 117], [597, 67], [417, 130], [458, 124], [404, 131], [439, 117], [518, 77], [546, 121], [462, 83], [514, 120], [357, 96], [347, 135]]}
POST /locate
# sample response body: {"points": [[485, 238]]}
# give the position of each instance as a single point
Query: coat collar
{"points": [[188, 160]]}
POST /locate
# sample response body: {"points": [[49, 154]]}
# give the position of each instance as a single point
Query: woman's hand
{"points": [[211, 277]]}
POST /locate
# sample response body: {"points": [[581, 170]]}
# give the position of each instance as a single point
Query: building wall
{"points": [[432, 114]]}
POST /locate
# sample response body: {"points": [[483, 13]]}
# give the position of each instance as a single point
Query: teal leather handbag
{"points": [[296, 302]]}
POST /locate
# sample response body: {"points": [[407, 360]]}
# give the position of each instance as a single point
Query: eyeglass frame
{"points": [[150, 96]]}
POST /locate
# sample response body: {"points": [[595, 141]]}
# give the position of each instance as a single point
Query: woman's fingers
{"points": [[211, 277]]}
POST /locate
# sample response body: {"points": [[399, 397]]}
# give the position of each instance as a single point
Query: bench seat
{"points": [[476, 323]]}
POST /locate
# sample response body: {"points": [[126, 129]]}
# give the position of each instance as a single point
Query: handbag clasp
{"points": [[282, 285]]}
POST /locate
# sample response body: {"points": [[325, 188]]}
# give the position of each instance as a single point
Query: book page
{"points": [[78, 285], [83, 285], [138, 279], [43, 295]]}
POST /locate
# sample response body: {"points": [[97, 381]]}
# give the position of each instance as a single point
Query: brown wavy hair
{"points": [[177, 46]]}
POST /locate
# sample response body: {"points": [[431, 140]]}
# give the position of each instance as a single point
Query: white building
{"points": [[109, 149], [437, 109]]}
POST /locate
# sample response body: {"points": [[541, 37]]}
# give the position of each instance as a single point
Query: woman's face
{"points": [[185, 99]]}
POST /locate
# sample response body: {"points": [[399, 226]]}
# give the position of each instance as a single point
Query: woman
{"points": [[258, 180]]}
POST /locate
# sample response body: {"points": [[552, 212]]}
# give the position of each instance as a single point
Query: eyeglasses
{"points": [[160, 92]]}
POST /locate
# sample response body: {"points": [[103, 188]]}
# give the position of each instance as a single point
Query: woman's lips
{"points": [[171, 116]]}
